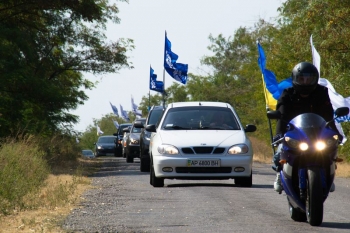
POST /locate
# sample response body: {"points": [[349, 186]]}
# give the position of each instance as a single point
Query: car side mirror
{"points": [[151, 128], [138, 124], [250, 128]]}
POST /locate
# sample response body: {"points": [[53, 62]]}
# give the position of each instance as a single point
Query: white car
{"points": [[200, 140]]}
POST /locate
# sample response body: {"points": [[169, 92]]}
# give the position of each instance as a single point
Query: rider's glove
{"points": [[277, 137]]}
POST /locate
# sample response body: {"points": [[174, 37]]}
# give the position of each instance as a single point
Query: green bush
{"points": [[23, 169]]}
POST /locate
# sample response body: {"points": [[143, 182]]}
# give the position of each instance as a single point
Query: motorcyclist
{"points": [[305, 96]]}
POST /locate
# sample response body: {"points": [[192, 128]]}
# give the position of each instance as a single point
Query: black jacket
{"points": [[291, 104]]}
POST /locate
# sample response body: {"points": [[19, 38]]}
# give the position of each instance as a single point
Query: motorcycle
{"points": [[309, 156]]}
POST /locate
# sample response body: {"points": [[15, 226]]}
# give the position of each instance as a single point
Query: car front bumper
{"points": [[231, 166]]}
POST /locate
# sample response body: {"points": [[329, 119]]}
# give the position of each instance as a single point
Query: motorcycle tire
{"points": [[314, 198]]}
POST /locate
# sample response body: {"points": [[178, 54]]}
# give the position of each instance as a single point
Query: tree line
{"points": [[46, 46]]}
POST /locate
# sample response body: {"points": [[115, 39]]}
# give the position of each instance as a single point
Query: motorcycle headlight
{"points": [[320, 145], [168, 149], [296, 144], [303, 146]]}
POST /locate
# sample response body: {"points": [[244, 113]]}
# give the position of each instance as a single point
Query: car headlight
{"points": [[238, 149], [168, 149], [134, 141], [147, 136], [99, 147]]}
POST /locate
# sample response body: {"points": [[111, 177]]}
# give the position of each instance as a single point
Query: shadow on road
{"points": [[335, 225]]}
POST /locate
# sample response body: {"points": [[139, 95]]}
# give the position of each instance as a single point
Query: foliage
{"points": [[22, 170], [44, 48]]}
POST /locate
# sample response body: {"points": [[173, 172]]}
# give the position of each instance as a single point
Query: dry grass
{"points": [[62, 193], [262, 152]]}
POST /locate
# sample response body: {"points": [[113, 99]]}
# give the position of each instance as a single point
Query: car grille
{"points": [[203, 150], [203, 169]]}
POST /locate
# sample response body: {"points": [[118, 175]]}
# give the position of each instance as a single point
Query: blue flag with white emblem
{"points": [[178, 71]]}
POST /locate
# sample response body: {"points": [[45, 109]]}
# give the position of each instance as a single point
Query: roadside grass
{"points": [[58, 196]]}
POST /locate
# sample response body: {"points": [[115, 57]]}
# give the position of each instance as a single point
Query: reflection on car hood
{"points": [[187, 138], [135, 135], [105, 144]]}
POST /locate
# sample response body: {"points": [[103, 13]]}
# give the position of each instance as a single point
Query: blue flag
{"points": [[155, 85], [115, 110], [125, 115], [115, 124], [135, 108], [178, 71]]}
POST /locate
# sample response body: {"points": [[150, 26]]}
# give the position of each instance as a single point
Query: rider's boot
{"points": [[277, 184]]}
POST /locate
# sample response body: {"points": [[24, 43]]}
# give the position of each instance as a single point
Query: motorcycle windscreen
{"points": [[311, 124]]}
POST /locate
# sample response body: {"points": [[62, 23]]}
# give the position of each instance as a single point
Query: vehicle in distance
{"points": [[105, 146], [132, 148], [153, 117], [126, 131], [200, 140], [119, 134], [87, 154]]}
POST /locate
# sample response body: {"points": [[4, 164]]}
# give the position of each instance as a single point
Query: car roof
{"points": [[126, 123], [156, 107], [198, 103]]}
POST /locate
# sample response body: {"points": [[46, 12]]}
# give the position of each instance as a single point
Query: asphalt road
{"points": [[122, 200]]}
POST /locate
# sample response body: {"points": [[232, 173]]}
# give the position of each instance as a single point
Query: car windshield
{"points": [[136, 130], [121, 129], [154, 116], [200, 118], [106, 139]]}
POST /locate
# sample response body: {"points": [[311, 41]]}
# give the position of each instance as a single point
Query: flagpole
{"points": [[267, 109], [149, 100], [163, 88], [164, 71]]}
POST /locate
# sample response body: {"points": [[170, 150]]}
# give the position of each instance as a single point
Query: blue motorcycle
{"points": [[308, 155]]}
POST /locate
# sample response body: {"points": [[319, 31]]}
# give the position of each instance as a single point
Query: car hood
{"points": [[187, 138], [135, 135], [105, 144]]}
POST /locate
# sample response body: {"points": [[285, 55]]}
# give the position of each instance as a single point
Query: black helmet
{"points": [[305, 78]]}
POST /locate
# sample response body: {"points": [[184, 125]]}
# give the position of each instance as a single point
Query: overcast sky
{"points": [[188, 24]]}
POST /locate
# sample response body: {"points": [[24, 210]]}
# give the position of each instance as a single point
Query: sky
{"points": [[188, 24]]}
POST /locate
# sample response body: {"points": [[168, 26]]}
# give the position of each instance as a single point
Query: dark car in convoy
{"points": [[153, 117], [105, 145], [119, 134], [132, 142]]}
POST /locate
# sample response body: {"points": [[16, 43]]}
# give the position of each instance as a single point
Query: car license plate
{"points": [[109, 154], [203, 163]]}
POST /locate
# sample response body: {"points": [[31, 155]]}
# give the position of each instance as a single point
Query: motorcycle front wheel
{"points": [[314, 198]]}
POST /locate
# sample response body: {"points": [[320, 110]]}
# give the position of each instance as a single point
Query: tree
{"points": [[44, 48]]}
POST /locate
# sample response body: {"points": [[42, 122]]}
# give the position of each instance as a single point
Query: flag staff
{"points": [[163, 93]]}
